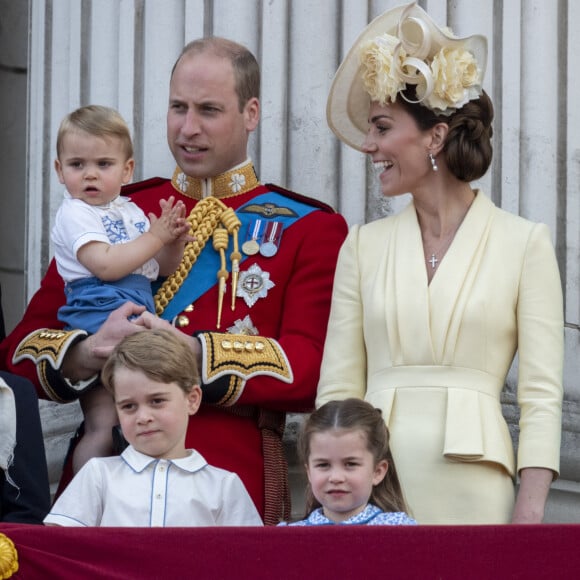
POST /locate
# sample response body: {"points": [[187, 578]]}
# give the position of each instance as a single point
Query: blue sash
{"points": [[203, 274]]}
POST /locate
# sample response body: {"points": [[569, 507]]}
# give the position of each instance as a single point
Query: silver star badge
{"points": [[254, 283]]}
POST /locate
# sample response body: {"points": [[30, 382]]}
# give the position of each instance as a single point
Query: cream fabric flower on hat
{"points": [[444, 82], [399, 48], [456, 79], [379, 69]]}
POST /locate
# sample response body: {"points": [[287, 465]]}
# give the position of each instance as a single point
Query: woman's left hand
{"points": [[531, 500]]}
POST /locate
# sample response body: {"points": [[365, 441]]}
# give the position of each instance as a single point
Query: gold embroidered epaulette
{"points": [[243, 356]]}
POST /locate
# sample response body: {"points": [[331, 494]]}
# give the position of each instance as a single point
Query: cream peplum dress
{"points": [[434, 357]]}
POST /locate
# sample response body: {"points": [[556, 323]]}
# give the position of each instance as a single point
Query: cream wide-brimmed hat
{"points": [[404, 46]]}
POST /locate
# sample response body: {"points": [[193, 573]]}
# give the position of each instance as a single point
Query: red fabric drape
{"points": [[447, 552]]}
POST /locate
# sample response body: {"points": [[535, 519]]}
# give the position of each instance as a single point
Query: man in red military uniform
{"points": [[253, 290]]}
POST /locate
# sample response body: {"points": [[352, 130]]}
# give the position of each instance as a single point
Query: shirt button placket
{"points": [[159, 494]]}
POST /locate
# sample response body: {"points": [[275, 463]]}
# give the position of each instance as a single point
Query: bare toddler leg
{"points": [[100, 415]]}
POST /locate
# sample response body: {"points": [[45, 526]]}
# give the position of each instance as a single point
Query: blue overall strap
{"points": [[269, 206]]}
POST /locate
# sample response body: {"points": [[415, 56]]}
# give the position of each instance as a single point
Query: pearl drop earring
{"points": [[433, 162]]}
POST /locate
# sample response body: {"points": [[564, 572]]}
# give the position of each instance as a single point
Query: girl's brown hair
{"points": [[356, 414]]}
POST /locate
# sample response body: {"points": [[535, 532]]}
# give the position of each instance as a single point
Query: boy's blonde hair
{"points": [[159, 354], [98, 121]]}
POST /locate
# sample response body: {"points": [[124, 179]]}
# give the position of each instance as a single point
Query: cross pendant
{"points": [[433, 261]]}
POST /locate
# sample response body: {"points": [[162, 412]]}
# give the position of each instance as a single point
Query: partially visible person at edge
{"points": [[24, 487], [106, 249], [258, 329], [156, 481], [430, 306], [352, 478]]}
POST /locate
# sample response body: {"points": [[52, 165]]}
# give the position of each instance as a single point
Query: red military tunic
{"points": [[240, 425]]}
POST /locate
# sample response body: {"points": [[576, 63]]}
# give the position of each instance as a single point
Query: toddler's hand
{"points": [[171, 225]]}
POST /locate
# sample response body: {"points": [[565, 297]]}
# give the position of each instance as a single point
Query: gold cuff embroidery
{"points": [[46, 344], [243, 356], [46, 349], [235, 389]]}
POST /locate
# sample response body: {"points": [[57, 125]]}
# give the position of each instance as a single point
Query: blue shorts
{"points": [[89, 301]]}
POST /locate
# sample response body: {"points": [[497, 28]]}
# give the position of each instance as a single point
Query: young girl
{"points": [[351, 473]]}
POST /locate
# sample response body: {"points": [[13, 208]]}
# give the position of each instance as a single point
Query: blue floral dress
{"points": [[370, 516]]}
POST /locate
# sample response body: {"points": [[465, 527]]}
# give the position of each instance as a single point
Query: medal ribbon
{"points": [[256, 230]]}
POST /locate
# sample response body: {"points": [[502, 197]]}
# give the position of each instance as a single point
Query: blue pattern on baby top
{"points": [[370, 516], [140, 226], [116, 231]]}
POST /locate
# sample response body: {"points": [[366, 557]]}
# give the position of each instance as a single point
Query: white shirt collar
{"points": [[138, 461], [118, 201]]}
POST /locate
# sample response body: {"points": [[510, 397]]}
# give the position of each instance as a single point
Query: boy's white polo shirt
{"points": [[140, 491]]}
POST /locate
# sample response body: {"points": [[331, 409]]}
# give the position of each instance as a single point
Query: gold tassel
{"points": [[205, 219], [233, 223], [220, 244]]}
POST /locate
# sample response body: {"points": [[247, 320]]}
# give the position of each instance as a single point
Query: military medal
{"points": [[251, 246], [271, 239]]}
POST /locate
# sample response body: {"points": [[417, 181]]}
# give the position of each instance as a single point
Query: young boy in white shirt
{"points": [[156, 481]]}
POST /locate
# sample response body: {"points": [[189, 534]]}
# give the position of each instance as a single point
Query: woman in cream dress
{"points": [[430, 306]]}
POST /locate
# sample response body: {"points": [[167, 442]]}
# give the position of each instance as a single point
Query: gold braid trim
{"points": [[8, 557], [235, 388], [236, 181], [204, 218]]}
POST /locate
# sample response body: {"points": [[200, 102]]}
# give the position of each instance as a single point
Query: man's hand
{"points": [[119, 324]]}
